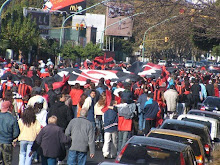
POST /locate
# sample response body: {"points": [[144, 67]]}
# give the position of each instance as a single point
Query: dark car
{"points": [[194, 128], [211, 103], [205, 113], [182, 137], [154, 151]]}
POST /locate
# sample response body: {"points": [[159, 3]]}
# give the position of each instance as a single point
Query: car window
{"points": [[142, 154], [200, 132], [193, 143], [206, 123], [205, 114]]}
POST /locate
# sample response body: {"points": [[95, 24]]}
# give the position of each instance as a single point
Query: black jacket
{"points": [[52, 97], [51, 139], [151, 110], [62, 112]]}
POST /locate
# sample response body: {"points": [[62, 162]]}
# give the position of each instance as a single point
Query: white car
{"points": [[162, 63], [189, 64], [211, 123]]}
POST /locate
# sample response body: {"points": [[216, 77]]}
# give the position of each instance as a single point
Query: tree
{"points": [[74, 52], [20, 31], [216, 50]]}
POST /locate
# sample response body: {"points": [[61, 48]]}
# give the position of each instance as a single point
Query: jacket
{"points": [[171, 99], [127, 96], [151, 110], [51, 139], [62, 112], [89, 105], [126, 110], [110, 121], [9, 129], [28, 133], [142, 99], [75, 95], [82, 134], [52, 97]]}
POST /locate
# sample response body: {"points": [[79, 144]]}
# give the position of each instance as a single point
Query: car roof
{"points": [[212, 97], [206, 112], [196, 117], [182, 122], [176, 133], [160, 143]]}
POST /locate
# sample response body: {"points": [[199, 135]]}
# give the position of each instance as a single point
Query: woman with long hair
{"points": [[29, 129], [80, 104]]}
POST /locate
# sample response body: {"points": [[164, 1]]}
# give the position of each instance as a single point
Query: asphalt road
{"points": [[94, 161]]}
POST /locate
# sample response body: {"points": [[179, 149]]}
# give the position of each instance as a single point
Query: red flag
{"points": [[108, 101]]}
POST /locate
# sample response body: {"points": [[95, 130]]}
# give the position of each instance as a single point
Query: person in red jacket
{"points": [[75, 95], [216, 90]]}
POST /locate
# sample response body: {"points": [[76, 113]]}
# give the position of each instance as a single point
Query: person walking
{"points": [[75, 95], [61, 111], [83, 136], [29, 129], [110, 132], [171, 97], [9, 130], [151, 109], [52, 140], [196, 93]]}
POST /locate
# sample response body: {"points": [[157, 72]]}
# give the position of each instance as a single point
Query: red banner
{"points": [[59, 4]]}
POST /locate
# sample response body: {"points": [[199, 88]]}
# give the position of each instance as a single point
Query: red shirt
{"points": [[75, 95]]}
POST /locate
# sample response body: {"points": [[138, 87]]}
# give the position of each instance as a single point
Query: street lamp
{"points": [[1, 9]]}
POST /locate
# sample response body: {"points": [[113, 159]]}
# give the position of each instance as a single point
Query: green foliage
{"points": [[20, 31], [49, 47], [125, 46], [201, 41], [73, 52], [216, 50]]}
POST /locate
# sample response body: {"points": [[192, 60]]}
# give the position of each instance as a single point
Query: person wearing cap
{"points": [[9, 130], [41, 113]]}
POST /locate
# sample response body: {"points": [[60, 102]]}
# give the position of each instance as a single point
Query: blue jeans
{"points": [[25, 149], [74, 108], [76, 157], [48, 161], [141, 121], [99, 130], [122, 139]]}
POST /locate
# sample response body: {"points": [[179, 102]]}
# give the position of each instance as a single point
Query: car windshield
{"points": [[197, 131], [142, 154], [189, 62], [212, 102], [206, 123], [206, 115], [193, 143]]}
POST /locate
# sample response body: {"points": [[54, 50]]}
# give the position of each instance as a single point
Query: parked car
{"points": [[211, 103], [189, 64], [162, 63], [186, 138], [199, 64], [155, 151], [205, 113], [109, 163], [193, 128], [211, 123]]}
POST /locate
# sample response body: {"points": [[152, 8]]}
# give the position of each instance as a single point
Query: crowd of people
{"points": [[48, 122]]}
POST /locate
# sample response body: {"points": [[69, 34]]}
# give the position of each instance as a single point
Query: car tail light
{"points": [[202, 108], [182, 160], [153, 148], [207, 149], [117, 160], [199, 160]]}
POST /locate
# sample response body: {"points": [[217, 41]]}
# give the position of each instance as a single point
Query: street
{"points": [[96, 160]]}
